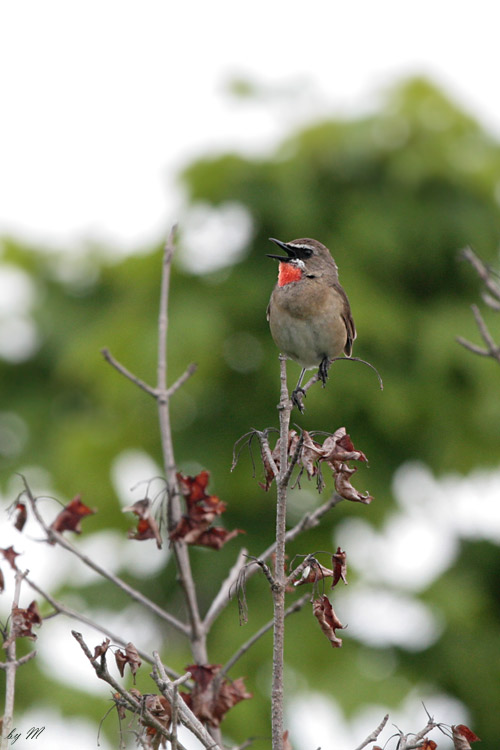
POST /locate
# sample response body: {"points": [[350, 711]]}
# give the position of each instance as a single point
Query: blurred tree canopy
{"points": [[395, 195]]}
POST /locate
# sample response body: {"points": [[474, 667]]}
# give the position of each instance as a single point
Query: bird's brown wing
{"points": [[348, 321]]}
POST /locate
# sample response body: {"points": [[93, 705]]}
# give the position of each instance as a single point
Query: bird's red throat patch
{"points": [[287, 273]]}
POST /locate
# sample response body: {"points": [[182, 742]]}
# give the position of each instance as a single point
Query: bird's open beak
{"points": [[292, 255]]}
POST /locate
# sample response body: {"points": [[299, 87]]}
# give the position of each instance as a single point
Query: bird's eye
{"points": [[303, 251]]}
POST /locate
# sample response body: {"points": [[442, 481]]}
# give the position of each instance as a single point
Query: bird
{"points": [[309, 313]]}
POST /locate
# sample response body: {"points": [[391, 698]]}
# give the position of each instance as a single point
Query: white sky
{"points": [[102, 100]]}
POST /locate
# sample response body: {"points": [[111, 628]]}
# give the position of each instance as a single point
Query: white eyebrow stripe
{"points": [[301, 246]]}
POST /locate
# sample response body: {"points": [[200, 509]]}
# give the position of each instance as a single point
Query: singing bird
{"points": [[309, 313]]}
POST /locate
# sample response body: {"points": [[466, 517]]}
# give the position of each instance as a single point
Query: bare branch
{"points": [[55, 536], [472, 347], [188, 372], [492, 350], [123, 370], [173, 511], [266, 450], [295, 607], [11, 666], [309, 520], [482, 270], [414, 741], [63, 609], [492, 299], [373, 736]]}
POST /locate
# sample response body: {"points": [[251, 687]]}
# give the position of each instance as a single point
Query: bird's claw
{"points": [[323, 370], [296, 400]]}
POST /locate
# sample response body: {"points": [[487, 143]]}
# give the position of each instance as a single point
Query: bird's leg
{"points": [[324, 366], [299, 391]]}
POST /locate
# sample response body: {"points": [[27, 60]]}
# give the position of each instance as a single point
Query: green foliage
{"points": [[394, 195]]}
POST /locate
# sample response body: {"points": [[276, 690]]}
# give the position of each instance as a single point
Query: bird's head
{"points": [[306, 257]]}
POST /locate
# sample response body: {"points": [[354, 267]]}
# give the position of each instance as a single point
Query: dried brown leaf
{"points": [[344, 487], [21, 516], [69, 519], [313, 573], [102, 648], [147, 527], [463, 736], [22, 622], [339, 567], [328, 620], [211, 699], [130, 657], [10, 555]]}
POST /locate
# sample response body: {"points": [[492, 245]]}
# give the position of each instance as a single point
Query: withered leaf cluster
{"points": [[159, 707], [22, 622], [212, 696], [122, 658], [336, 452], [314, 571], [195, 526]]}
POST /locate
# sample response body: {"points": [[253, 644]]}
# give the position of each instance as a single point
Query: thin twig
{"points": [[294, 459], [63, 609], [175, 707], [123, 370], [492, 300], [373, 736], [309, 520], [266, 450], [482, 270], [18, 662], [492, 349], [315, 378], [295, 607], [188, 372], [474, 348]]}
